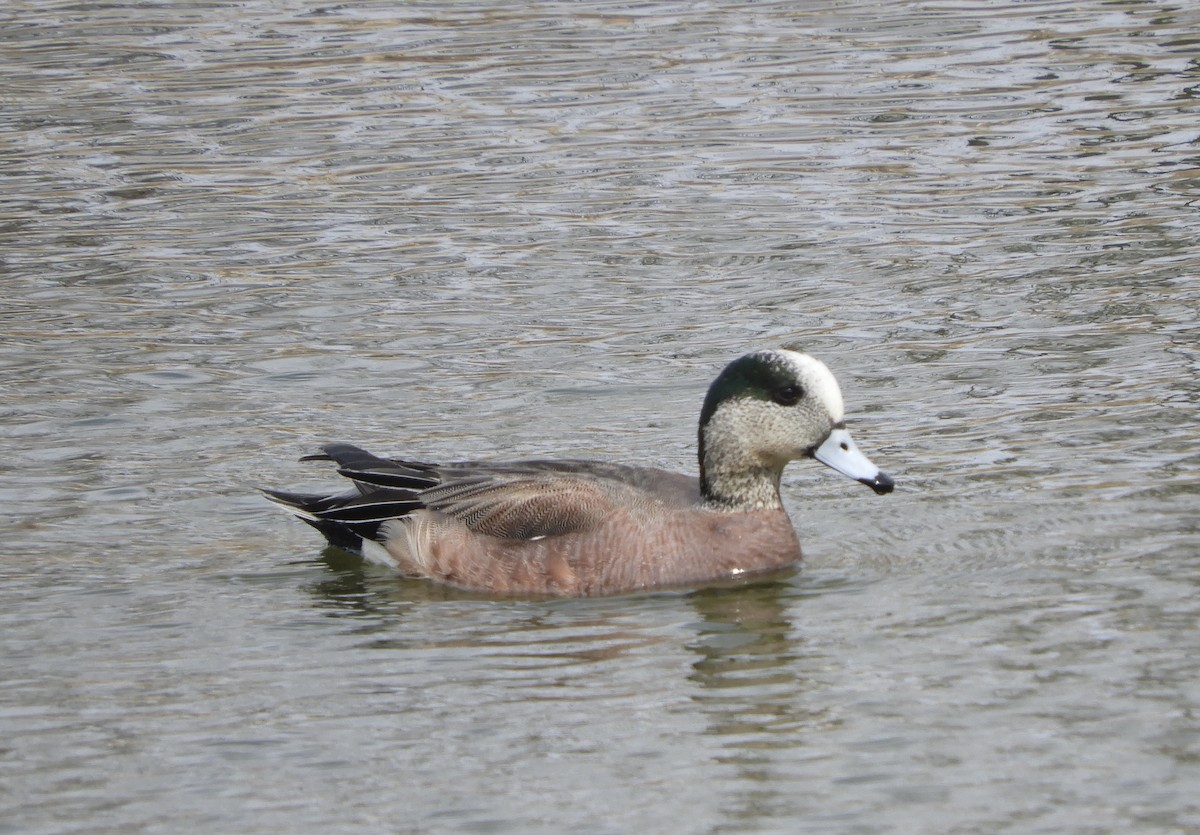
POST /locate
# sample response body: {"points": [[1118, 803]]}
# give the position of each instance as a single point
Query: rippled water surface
{"points": [[232, 231]]}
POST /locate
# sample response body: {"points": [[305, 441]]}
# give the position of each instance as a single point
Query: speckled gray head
{"points": [[768, 408]]}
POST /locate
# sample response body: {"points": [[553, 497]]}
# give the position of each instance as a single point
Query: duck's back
{"points": [[530, 499]]}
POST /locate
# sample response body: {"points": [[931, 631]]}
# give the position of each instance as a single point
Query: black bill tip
{"points": [[882, 483]]}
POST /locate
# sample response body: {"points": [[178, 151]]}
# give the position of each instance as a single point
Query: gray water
{"points": [[233, 231]]}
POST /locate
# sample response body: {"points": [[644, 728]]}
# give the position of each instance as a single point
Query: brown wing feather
{"points": [[531, 499], [524, 508]]}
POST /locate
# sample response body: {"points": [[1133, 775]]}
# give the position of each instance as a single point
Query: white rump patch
{"points": [[372, 551]]}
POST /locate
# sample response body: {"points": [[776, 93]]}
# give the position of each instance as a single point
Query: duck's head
{"points": [[764, 410]]}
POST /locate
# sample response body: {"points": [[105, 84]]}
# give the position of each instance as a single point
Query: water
{"points": [[233, 231]]}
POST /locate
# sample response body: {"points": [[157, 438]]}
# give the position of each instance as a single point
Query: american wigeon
{"points": [[582, 528]]}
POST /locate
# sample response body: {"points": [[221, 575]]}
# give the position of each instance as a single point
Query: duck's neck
{"points": [[731, 476]]}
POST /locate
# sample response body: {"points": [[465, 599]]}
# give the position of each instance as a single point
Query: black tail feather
{"points": [[385, 490], [395, 478], [379, 509], [364, 468]]}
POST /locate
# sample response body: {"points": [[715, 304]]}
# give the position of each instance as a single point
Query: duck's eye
{"points": [[788, 395]]}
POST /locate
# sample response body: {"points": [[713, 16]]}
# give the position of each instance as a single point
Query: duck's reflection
{"points": [[353, 587], [744, 644], [752, 688]]}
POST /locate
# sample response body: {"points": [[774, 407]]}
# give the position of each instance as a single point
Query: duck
{"points": [[585, 528]]}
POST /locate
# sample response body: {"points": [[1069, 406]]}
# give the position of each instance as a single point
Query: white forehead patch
{"points": [[817, 379]]}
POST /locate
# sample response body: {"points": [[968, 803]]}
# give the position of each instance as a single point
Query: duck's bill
{"points": [[839, 452]]}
